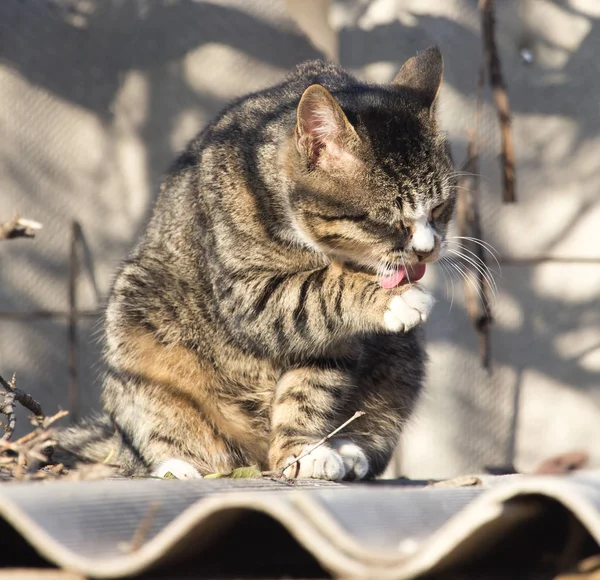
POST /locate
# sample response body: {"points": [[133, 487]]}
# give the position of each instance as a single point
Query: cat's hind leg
{"points": [[389, 378], [308, 405]]}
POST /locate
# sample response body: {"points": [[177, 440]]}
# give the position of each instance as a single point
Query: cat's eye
{"points": [[437, 211], [398, 202]]}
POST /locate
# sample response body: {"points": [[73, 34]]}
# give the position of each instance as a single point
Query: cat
{"points": [[275, 290]]}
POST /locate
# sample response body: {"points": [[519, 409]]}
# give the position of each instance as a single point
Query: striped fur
{"points": [[250, 319]]}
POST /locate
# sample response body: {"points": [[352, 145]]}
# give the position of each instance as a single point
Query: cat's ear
{"points": [[323, 133], [423, 74]]}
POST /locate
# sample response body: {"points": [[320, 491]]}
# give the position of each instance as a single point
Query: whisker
{"points": [[381, 270], [486, 246], [482, 243], [491, 271], [484, 271], [461, 187], [477, 261], [469, 280], [462, 246], [405, 270], [448, 282], [468, 174]]}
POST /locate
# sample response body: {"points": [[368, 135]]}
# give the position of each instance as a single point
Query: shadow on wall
{"points": [[84, 57], [98, 98], [547, 317]]}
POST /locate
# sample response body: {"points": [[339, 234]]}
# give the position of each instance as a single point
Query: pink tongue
{"points": [[414, 273]]}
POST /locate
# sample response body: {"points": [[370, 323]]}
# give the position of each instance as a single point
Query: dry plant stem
{"points": [[73, 385], [49, 314], [281, 472], [141, 533], [18, 227], [48, 421], [469, 224], [492, 59], [28, 450], [7, 406]]}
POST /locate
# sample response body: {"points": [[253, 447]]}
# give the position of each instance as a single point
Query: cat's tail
{"points": [[96, 440]]}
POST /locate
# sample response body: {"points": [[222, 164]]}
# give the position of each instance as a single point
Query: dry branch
{"points": [[11, 395], [73, 385], [18, 227], [468, 204], [492, 60], [25, 455], [49, 314], [469, 224], [141, 533]]}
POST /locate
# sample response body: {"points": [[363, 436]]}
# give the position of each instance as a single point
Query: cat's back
{"points": [[239, 149], [226, 172]]}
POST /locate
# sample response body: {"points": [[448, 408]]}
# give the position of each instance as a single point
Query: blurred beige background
{"points": [[96, 99]]}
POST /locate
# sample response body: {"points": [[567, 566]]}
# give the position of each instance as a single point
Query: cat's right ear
{"points": [[323, 133], [423, 74]]}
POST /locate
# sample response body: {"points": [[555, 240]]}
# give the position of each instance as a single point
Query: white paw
{"points": [[408, 309], [322, 463], [177, 467], [355, 461]]}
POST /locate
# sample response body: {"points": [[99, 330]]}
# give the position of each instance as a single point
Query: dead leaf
{"points": [[239, 473], [564, 463]]}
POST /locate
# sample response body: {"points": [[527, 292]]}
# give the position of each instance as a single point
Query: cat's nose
{"points": [[423, 254]]}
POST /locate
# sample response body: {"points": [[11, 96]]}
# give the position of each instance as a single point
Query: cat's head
{"points": [[373, 178]]}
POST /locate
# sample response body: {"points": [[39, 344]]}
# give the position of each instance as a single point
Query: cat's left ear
{"points": [[323, 133], [423, 74]]}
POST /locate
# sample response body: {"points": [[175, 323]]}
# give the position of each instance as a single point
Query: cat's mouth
{"points": [[402, 275]]}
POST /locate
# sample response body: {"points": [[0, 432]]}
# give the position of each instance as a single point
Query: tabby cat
{"points": [[275, 291]]}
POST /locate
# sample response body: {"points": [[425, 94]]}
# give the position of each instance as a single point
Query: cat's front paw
{"points": [[355, 461], [177, 468], [408, 309], [321, 463], [343, 460]]}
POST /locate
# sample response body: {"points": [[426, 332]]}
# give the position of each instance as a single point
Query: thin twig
{"points": [[469, 224], [73, 384], [141, 532], [26, 454], [48, 421], [281, 472], [49, 314], [18, 227], [14, 394], [8, 408], [492, 59]]}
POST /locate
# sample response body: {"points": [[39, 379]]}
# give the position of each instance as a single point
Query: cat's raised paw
{"points": [[322, 463], [178, 468], [355, 461], [408, 309]]}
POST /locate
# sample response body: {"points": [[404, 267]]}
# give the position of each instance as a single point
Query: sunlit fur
{"points": [[248, 322], [399, 169]]}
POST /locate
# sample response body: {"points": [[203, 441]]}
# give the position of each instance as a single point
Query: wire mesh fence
{"points": [[96, 98]]}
